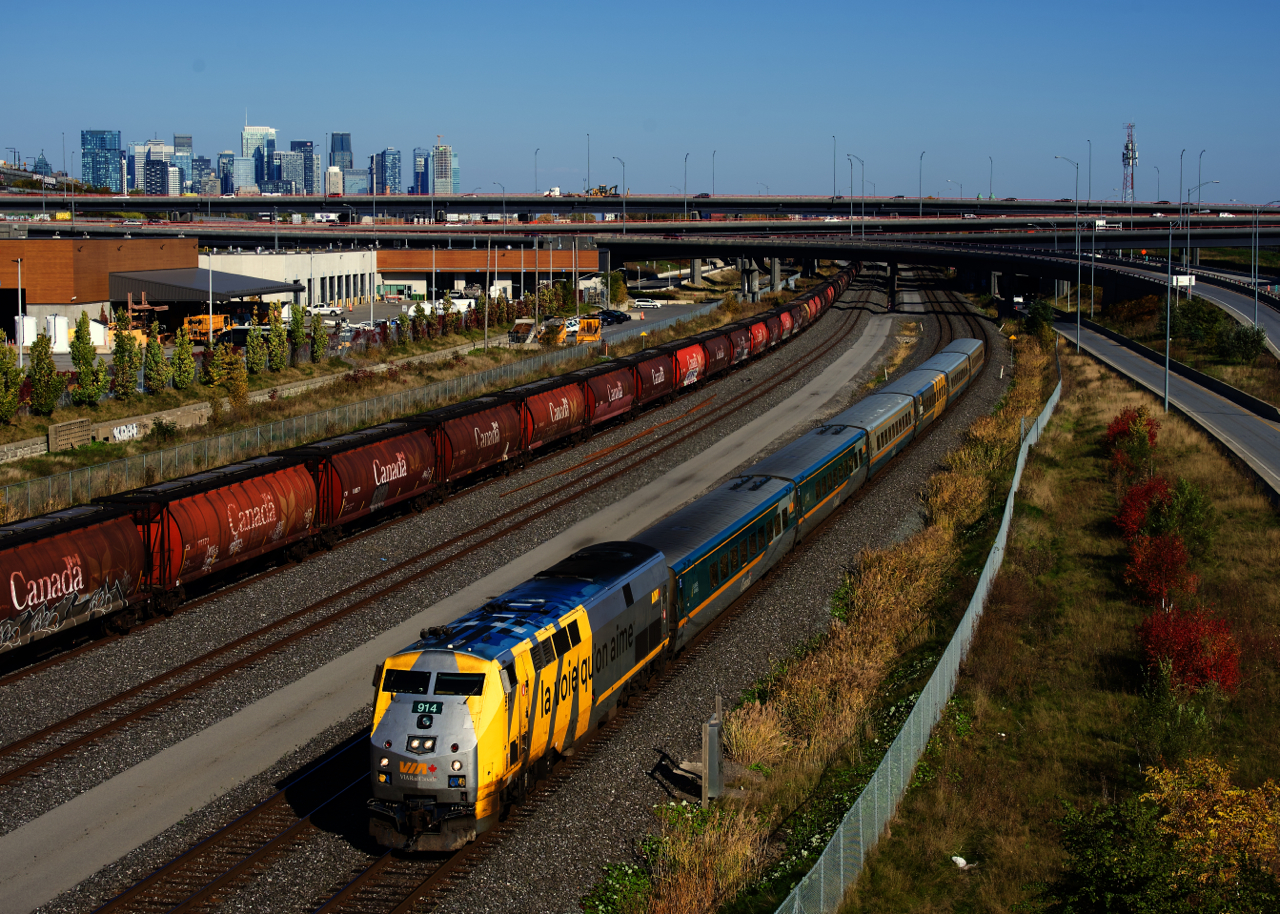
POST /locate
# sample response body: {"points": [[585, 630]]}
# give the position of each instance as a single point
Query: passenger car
{"points": [[647, 303], [325, 310]]}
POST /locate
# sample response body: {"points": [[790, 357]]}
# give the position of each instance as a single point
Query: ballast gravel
{"points": [[50, 696]]}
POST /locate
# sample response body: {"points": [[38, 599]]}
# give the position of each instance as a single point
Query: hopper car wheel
{"points": [[329, 538], [420, 503]]}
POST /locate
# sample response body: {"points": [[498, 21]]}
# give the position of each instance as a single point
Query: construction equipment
{"points": [[603, 190], [553, 333], [589, 330], [198, 324]]}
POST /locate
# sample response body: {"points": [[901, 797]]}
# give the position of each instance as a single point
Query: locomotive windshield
{"points": [[460, 683], [410, 682]]}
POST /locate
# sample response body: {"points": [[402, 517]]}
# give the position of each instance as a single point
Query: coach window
{"points": [[715, 573], [724, 566], [733, 559]]}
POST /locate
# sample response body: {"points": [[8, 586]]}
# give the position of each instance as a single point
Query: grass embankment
{"points": [[1060, 703], [808, 736]]}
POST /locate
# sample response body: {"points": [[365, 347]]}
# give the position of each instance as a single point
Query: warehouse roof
{"points": [[193, 284]]}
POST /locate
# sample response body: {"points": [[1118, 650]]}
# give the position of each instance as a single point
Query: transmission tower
{"points": [[1130, 159]]}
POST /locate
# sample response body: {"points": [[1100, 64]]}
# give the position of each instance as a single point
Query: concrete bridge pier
{"points": [[754, 289], [775, 274], [695, 271]]}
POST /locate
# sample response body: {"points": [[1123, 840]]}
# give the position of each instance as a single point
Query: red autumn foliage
{"points": [[1131, 439], [1197, 644], [1158, 568], [1137, 504], [1123, 425]]}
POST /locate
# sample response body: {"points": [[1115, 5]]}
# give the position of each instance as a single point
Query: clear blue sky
{"points": [[764, 84]]}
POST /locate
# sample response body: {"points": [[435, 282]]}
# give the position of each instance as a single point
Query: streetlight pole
{"points": [[1199, 176], [686, 187], [920, 186], [1180, 155], [1089, 195], [833, 166], [959, 184], [588, 161], [504, 205], [991, 178], [1168, 316], [1077, 195], [713, 172], [1157, 168], [765, 186], [624, 194], [1189, 190], [535, 169], [863, 195]]}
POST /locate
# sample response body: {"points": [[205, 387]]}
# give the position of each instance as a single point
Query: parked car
{"points": [[647, 303], [324, 310], [702, 196]]}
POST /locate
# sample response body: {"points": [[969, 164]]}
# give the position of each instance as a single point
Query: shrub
{"points": [[184, 363], [1242, 344], [216, 365], [1186, 512], [1197, 645], [1131, 441], [1136, 505], [297, 331], [237, 383], [1167, 726], [46, 384], [156, 370], [1158, 568], [11, 379]]}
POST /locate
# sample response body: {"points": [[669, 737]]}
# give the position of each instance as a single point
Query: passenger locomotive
{"points": [[130, 555], [467, 717]]}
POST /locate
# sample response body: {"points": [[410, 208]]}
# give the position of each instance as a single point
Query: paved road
{"points": [[1252, 438], [70, 843]]}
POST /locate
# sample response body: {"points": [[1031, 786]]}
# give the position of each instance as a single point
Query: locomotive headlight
{"points": [[419, 745], [384, 762], [457, 764]]}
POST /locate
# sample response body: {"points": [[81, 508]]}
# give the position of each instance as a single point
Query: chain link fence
{"points": [[48, 493], [823, 887]]}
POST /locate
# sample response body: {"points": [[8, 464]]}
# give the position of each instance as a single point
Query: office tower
{"points": [[289, 166], [210, 185], [226, 166], [100, 159], [311, 173], [201, 168], [385, 171], [340, 151], [174, 187], [182, 155], [259, 144], [155, 177], [442, 169], [142, 153], [421, 171], [42, 166], [333, 181], [244, 173], [355, 181], [455, 169]]}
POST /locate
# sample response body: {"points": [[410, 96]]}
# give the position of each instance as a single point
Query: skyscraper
{"points": [[355, 181], [385, 168], [100, 159], [312, 175], [158, 176], [333, 181], [182, 154], [340, 151], [244, 174], [226, 171], [421, 171], [443, 174], [259, 144], [201, 168], [455, 169], [140, 154], [289, 166]]}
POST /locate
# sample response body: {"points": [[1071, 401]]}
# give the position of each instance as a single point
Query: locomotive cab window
{"points": [[409, 682], [460, 683]]}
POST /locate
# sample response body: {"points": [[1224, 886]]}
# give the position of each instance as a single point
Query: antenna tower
{"points": [[1130, 159]]}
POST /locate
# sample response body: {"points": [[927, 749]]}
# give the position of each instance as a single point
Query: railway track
{"points": [[197, 879], [399, 883], [27, 755]]}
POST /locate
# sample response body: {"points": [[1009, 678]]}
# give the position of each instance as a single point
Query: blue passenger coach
{"points": [[826, 465], [927, 387], [888, 420], [718, 546]]}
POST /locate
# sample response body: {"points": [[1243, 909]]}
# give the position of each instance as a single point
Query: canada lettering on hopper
{"points": [[42, 589], [561, 412], [243, 521], [489, 438], [384, 473]]}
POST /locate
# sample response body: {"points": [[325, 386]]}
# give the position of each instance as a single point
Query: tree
{"points": [[237, 382], [126, 359], [255, 350], [1197, 646], [184, 363], [277, 341], [91, 378], [46, 384], [10, 384], [156, 369], [419, 322], [297, 330], [1158, 569], [216, 364], [319, 339]]}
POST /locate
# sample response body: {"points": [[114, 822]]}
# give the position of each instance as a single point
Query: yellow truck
{"points": [[589, 330]]}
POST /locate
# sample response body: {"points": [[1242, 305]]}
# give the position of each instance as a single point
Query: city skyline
{"points": [[1000, 80]]}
